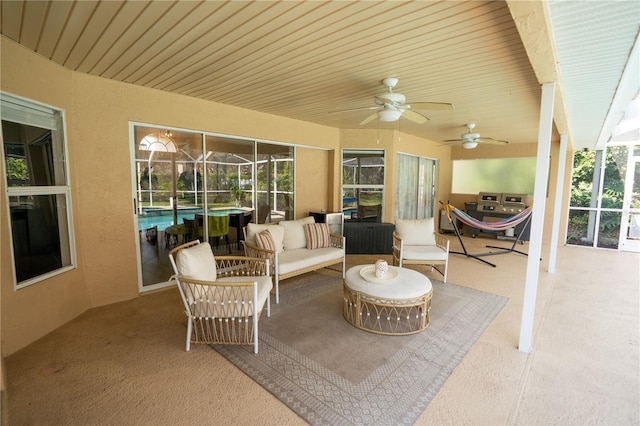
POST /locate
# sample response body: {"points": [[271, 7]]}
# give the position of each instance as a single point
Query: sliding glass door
{"points": [[274, 182], [191, 185], [605, 198]]}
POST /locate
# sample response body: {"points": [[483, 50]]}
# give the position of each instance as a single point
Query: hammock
{"points": [[500, 225]]}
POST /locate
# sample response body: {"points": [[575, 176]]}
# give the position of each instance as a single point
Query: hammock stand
{"points": [[500, 225]]}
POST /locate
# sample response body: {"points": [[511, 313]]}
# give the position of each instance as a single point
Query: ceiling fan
{"points": [[471, 140], [391, 106]]}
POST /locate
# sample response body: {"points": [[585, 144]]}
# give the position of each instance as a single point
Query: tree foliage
{"points": [[583, 194]]}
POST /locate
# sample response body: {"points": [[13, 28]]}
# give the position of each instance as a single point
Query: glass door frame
{"points": [[596, 211], [281, 201], [631, 196]]}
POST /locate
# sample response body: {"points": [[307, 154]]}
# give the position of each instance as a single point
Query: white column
{"points": [[537, 216], [557, 204]]}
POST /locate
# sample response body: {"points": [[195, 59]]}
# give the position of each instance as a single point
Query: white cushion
{"points": [[197, 262], [210, 304], [424, 253], [416, 232], [277, 234], [294, 232], [297, 259]]}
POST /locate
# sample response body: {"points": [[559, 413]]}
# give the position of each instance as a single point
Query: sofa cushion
{"points": [[297, 259], [416, 232], [317, 235], [277, 234], [264, 240], [197, 262], [294, 232]]}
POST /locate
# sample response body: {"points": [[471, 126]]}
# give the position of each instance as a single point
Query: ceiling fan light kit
{"points": [[469, 144], [389, 114]]}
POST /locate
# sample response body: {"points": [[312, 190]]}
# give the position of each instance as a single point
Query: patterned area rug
{"points": [[330, 372]]}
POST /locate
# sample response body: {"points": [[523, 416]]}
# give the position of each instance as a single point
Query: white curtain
{"points": [[415, 188]]}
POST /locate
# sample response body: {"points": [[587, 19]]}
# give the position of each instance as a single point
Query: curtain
{"points": [[415, 188]]}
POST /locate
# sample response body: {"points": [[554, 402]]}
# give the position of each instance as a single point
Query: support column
{"points": [[537, 216], [557, 204]]}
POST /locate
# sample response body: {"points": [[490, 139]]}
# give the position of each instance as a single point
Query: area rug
{"points": [[329, 372]]}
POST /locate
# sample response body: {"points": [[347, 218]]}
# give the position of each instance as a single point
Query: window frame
{"points": [[39, 120], [356, 187]]}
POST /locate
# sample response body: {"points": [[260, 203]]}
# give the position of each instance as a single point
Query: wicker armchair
{"points": [[223, 296], [415, 242]]}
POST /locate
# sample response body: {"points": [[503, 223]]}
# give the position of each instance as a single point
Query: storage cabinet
{"points": [[369, 237]]}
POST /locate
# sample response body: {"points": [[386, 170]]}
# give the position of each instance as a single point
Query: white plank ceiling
{"points": [[308, 59]]}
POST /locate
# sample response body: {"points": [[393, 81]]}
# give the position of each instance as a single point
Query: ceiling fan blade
{"points": [[416, 117], [435, 106], [492, 141], [453, 140], [369, 119], [354, 109]]}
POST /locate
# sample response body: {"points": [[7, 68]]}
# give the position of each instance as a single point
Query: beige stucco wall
{"points": [[98, 112], [312, 167]]}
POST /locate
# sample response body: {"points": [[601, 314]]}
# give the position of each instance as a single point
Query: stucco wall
{"points": [[312, 180]]}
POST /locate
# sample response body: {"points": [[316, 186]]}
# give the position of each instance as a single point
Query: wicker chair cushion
{"points": [[222, 302], [197, 262], [416, 232], [433, 253]]}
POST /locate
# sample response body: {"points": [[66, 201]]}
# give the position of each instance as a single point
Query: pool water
{"points": [[162, 218]]}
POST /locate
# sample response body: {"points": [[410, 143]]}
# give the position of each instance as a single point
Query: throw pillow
{"points": [[264, 240], [197, 262], [277, 234], [317, 235]]}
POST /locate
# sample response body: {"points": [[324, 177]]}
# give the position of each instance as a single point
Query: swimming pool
{"points": [[162, 218]]}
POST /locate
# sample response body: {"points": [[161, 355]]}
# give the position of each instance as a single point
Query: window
{"points": [[39, 197], [597, 197], [362, 184]]}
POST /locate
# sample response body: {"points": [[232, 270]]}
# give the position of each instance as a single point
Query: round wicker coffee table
{"points": [[396, 304]]}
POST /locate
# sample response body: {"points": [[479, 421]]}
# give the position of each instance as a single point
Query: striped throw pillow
{"points": [[317, 235], [264, 240]]}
